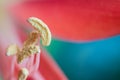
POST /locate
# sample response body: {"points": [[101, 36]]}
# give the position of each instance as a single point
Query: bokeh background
{"points": [[85, 37]]}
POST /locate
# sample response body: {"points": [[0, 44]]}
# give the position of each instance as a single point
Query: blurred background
{"points": [[85, 37]]}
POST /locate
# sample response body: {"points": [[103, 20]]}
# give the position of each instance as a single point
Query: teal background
{"points": [[93, 60]]}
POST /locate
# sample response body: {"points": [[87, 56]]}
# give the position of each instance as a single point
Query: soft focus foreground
{"points": [[10, 35], [90, 28]]}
